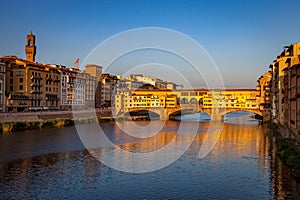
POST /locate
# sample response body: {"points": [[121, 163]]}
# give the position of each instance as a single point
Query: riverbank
{"points": [[288, 150], [10, 122], [6, 127], [47, 115]]}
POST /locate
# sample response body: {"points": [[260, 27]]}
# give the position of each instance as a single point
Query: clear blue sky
{"points": [[242, 36]]}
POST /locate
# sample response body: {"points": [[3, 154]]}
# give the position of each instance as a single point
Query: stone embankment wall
{"points": [[42, 116]]}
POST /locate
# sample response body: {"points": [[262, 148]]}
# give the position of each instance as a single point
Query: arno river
{"points": [[53, 164]]}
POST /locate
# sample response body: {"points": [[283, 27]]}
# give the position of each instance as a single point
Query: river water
{"points": [[54, 164]]}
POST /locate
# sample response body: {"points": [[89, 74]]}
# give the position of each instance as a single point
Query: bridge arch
{"points": [[242, 110], [143, 112]]}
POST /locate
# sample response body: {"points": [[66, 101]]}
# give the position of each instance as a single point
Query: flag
{"points": [[76, 61]]}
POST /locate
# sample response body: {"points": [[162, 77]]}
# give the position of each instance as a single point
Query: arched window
{"points": [[184, 101], [30, 43]]}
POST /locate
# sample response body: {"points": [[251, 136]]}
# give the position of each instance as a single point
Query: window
{"points": [[21, 80], [11, 88], [20, 87], [20, 73]]}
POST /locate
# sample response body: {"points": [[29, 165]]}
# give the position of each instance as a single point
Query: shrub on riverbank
{"points": [[13, 126], [289, 154], [33, 125]]}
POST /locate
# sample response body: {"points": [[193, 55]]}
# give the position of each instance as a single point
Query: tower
{"points": [[30, 48]]}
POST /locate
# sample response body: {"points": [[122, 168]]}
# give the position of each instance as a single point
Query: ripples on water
{"points": [[52, 164]]}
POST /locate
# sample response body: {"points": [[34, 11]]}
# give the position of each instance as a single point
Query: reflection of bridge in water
{"points": [[216, 113]]}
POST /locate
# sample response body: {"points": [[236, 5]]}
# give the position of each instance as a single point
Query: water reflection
{"points": [[239, 118], [242, 165]]}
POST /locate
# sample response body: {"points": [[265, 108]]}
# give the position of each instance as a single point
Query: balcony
{"points": [[18, 97], [36, 84], [35, 98], [36, 92], [52, 99]]}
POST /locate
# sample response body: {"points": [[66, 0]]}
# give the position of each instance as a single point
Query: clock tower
{"points": [[30, 48]]}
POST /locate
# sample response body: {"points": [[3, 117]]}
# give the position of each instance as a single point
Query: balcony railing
{"points": [[35, 98]]}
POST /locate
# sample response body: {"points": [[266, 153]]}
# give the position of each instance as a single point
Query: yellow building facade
{"points": [[234, 98]]}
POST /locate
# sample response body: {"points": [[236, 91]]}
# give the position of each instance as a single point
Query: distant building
{"points": [[143, 79], [2, 87]]}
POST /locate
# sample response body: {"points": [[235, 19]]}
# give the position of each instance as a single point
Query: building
{"points": [[141, 98], [264, 87], [96, 71], [90, 90], [108, 89], [72, 91], [291, 90], [2, 87], [30, 85], [285, 90], [277, 67]]}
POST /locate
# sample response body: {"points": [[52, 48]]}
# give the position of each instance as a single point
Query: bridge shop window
{"points": [[184, 94]]}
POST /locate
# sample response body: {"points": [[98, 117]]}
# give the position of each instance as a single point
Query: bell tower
{"points": [[30, 48]]}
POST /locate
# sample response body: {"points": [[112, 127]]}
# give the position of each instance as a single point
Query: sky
{"points": [[242, 37]]}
